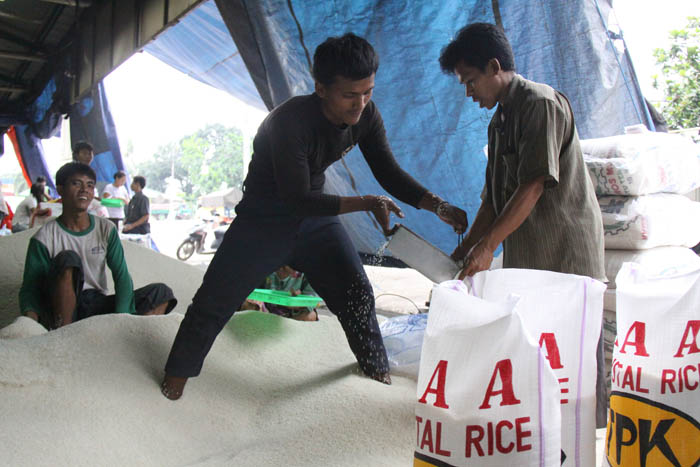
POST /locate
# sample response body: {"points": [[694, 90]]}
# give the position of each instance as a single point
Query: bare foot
{"points": [[172, 387]]}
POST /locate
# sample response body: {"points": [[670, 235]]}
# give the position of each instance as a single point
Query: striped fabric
{"points": [[532, 134]]}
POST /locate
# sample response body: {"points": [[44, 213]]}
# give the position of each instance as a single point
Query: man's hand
{"points": [[478, 259], [127, 227], [453, 216], [382, 209]]}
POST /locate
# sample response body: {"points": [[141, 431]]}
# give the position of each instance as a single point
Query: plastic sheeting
{"points": [[436, 134], [91, 120], [201, 47], [30, 154]]}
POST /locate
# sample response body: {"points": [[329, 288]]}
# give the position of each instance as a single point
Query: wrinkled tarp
{"points": [[30, 154], [436, 134], [91, 120], [200, 46]]}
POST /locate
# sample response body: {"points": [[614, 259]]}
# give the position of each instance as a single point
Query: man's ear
{"points": [[494, 66], [320, 89], [59, 188]]}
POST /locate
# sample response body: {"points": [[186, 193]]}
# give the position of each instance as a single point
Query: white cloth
{"points": [[23, 213], [116, 192], [3, 206]]}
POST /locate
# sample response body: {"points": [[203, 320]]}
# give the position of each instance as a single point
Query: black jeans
{"points": [[251, 250]]}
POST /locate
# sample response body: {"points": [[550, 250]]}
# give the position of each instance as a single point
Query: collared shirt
{"points": [[532, 134], [137, 208]]}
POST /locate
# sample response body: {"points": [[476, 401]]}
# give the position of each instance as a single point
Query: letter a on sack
{"points": [[503, 369], [439, 391], [691, 344]]}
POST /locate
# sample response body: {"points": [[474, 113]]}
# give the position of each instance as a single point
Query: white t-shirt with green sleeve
{"points": [[98, 247]]}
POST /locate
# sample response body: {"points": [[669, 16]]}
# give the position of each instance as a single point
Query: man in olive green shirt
{"points": [[537, 200]]}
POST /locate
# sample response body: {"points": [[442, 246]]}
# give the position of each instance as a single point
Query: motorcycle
{"points": [[196, 240]]}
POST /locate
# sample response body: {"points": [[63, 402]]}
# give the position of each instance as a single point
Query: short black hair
{"points": [[40, 179], [349, 56], [37, 192], [80, 145], [74, 168], [119, 174], [475, 45], [141, 180]]}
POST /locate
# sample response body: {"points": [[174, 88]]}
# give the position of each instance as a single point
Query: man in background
{"points": [[116, 190], [83, 152], [137, 212]]}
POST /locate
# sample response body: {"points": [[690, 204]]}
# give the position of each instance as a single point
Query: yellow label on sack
{"points": [[421, 460], [642, 432]]}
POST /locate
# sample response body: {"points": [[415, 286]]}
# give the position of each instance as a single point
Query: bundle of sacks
{"points": [[641, 181]]}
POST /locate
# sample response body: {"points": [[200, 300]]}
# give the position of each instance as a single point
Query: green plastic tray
{"points": [[280, 297], [111, 202]]}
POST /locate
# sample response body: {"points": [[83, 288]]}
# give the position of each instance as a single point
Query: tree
{"points": [[202, 162], [680, 66]]}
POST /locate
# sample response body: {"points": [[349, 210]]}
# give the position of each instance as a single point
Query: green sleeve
{"points": [[36, 270], [123, 287]]}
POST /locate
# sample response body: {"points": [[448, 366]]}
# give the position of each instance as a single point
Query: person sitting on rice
{"points": [[65, 269], [294, 282]]}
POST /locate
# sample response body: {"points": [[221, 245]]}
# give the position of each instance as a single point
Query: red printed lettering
{"points": [[550, 345], [693, 327], [520, 434], [638, 331], [563, 390], [500, 437], [427, 439], [439, 391], [474, 436], [504, 370], [667, 378], [686, 378]]}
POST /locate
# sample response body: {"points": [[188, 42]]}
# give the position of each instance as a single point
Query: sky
{"points": [[154, 104], [645, 25]]}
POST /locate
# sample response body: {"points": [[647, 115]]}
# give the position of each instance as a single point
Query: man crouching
{"points": [[65, 277]]}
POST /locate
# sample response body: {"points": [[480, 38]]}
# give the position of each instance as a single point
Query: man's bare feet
{"points": [[172, 387]]}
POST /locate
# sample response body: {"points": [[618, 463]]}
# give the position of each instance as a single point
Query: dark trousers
{"points": [[251, 250], [91, 302]]}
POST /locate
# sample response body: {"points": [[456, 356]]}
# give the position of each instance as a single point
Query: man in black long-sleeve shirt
{"points": [[285, 218]]}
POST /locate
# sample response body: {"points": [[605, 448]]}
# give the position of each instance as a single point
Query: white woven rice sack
{"points": [[642, 222], [640, 164], [663, 258]]}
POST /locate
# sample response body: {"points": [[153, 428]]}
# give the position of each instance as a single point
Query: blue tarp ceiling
{"points": [[259, 51], [436, 134]]}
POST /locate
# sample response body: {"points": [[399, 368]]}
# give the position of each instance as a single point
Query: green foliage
{"points": [[202, 162], [680, 65]]}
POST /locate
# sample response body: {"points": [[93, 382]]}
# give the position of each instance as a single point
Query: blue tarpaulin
{"points": [[91, 120], [436, 134]]}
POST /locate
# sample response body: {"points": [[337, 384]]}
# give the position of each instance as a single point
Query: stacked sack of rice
{"points": [[640, 180]]}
